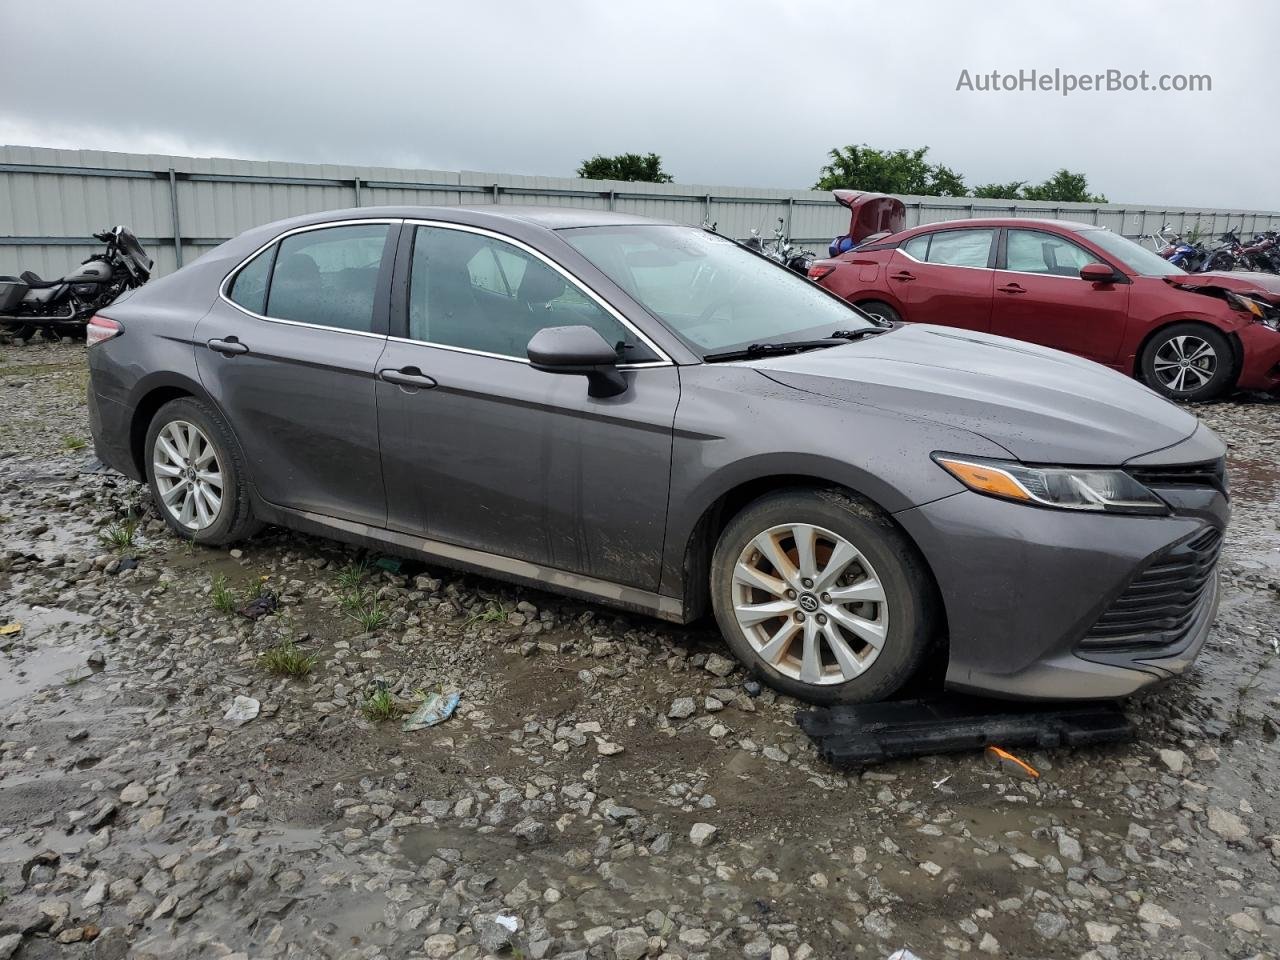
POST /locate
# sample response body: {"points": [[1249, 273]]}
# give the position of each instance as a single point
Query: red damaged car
{"points": [[1068, 285]]}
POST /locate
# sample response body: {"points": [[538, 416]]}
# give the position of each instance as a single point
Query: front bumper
{"points": [[1023, 587], [1260, 361]]}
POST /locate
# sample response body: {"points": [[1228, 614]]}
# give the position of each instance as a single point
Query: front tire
{"points": [[196, 475], [1188, 361], [822, 597], [878, 308]]}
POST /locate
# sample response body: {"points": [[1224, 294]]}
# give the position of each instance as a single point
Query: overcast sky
{"points": [[729, 92]]}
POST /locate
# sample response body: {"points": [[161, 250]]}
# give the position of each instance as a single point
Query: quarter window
{"points": [[961, 248], [918, 247], [328, 277], [249, 289], [475, 292], [1033, 251]]}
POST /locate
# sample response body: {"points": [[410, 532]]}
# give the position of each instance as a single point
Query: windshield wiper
{"points": [[837, 338]]}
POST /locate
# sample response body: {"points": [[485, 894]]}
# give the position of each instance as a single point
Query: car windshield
{"points": [[1137, 258], [711, 292]]}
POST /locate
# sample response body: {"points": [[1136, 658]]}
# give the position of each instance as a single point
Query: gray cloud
{"points": [[749, 92]]}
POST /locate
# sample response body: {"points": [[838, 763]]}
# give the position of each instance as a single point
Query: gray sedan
{"points": [[650, 416]]}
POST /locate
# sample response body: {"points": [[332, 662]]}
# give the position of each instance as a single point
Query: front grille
{"points": [[1160, 603], [1212, 473]]}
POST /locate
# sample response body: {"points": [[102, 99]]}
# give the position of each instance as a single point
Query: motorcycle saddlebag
{"points": [[11, 294]]}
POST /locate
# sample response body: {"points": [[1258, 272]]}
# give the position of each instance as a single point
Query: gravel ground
{"points": [[609, 786]]}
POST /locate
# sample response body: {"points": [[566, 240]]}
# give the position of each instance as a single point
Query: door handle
{"points": [[410, 377], [1012, 288], [902, 275], [230, 346]]}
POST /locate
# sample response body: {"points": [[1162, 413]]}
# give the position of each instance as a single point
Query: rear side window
{"points": [[917, 247], [328, 277], [249, 289], [961, 248]]}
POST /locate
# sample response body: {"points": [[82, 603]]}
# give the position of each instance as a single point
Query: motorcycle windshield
{"points": [[135, 258]]}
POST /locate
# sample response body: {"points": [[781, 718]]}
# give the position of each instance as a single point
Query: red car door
{"points": [[1040, 297], [945, 277]]}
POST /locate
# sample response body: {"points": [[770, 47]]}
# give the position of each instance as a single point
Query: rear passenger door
{"points": [[946, 277], [486, 453], [288, 352]]}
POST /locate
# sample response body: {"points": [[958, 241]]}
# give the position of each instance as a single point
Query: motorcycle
{"points": [[64, 306], [1229, 256], [1261, 253], [1190, 256], [782, 250]]}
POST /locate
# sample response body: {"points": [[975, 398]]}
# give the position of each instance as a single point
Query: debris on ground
{"points": [[436, 708], [242, 710], [261, 605], [10, 629], [1007, 762]]}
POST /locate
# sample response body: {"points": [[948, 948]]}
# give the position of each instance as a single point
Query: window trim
{"points": [[992, 250], [401, 315], [229, 279]]}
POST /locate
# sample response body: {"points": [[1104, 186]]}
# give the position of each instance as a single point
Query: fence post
{"points": [[613, 198], [706, 209], [791, 209], [173, 211], [355, 184], [495, 194]]}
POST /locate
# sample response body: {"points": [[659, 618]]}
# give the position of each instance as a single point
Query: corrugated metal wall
{"points": [[52, 201]]}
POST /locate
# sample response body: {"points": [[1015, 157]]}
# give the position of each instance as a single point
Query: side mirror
{"points": [[1097, 273], [580, 350]]}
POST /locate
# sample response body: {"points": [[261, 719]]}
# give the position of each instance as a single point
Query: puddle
{"points": [[50, 651]]}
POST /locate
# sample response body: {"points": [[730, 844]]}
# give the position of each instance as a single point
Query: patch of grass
{"points": [[351, 601], [120, 536], [286, 660], [227, 599], [70, 442], [353, 575], [495, 614], [380, 706], [370, 614]]}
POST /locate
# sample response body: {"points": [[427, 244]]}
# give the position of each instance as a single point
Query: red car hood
{"points": [[1263, 285]]}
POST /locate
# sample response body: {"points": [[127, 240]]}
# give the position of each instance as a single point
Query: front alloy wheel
{"points": [[822, 596], [1188, 361], [810, 604]]}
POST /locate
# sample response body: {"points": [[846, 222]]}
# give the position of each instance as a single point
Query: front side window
{"points": [[1034, 251], [961, 248], [328, 277], [709, 291], [479, 293], [1137, 258]]}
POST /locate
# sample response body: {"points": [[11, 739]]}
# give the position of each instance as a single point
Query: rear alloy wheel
{"points": [[822, 597], [1188, 361], [195, 473]]}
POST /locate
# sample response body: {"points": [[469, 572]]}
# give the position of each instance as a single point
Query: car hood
{"points": [[1264, 285], [1041, 405]]}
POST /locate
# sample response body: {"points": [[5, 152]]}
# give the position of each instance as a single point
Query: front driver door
{"points": [[945, 277], [484, 452], [289, 356], [1040, 297]]}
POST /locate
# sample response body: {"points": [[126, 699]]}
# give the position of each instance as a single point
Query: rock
{"points": [[701, 834], [682, 708], [97, 660], [134, 793], [1050, 925], [1069, 848], [530, 830], [720, 666], [631, 943], [1175, 760], [989, 944], [607, 748], [1100, 932], [1244, 921], [440, 946], [1227, 825], [1151, 913], [9, 945]]}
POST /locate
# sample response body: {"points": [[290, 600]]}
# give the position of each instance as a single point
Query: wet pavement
{"points": [[574, 806]]}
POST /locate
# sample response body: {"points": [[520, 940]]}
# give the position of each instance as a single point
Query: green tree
{"points": [[625, 166], [945, 182], [888, 171], [1000, 191], [1064, 187]]}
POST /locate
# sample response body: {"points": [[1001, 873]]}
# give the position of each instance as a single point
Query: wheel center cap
{"points": [[808, 602], [191, 473], [1186, 363]]}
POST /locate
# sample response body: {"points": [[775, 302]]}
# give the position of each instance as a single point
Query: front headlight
{"points": [[1261, 311], [1066, 488]]}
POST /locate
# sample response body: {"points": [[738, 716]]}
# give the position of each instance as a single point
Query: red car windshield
{"points": [[711, 292], [1137, 258]]}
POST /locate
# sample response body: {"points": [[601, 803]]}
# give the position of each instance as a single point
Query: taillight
{"points": [[102, 328], [820, 270]]}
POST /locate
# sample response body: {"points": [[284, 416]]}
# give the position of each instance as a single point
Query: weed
{"points": [[70, 442], [222, 597], [494, 614], [351, 601], [353, 575], [120, 536], [369, 614], [380, 705], [286, 660]]}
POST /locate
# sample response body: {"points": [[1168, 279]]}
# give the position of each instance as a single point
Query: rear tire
{"points": [[1188, 361], [822, 597], [878, 308], [197, 475]]}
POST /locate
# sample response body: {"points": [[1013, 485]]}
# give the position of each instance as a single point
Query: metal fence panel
{"points": [[52, 201]]}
